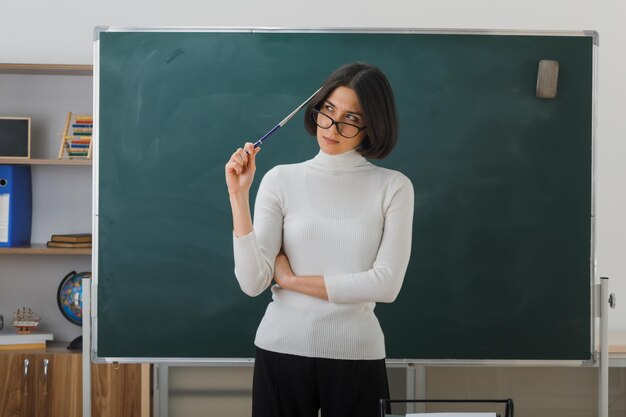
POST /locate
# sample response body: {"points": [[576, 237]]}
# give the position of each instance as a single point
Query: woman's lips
{"points": [[329, 140]]}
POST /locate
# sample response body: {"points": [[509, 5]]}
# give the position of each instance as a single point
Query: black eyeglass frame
{"points": [[315, 113]]}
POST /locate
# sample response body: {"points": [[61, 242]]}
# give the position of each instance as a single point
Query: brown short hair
{"points": [[377, 102]]}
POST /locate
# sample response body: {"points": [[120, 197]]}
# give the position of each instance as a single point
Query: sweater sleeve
{"points": [[255, 253], [383, 281]]}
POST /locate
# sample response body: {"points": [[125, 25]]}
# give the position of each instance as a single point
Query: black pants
{"points": [[297, 386]]}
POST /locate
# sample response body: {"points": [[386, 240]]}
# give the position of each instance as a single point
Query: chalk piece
{"points": [[547, 78]]}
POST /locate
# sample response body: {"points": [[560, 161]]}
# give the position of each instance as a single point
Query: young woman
{"points": [[334, 233]]}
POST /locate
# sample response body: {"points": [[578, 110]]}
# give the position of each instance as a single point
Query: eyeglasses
{"points": [[347, 130]]}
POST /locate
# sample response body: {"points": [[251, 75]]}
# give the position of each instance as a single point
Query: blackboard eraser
{"points": [[547, 78]]}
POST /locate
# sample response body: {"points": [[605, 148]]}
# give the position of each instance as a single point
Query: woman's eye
{"points": [[328, 107], [352, 117]]}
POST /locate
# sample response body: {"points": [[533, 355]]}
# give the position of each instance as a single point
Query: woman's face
{"points": [[342, 105]]}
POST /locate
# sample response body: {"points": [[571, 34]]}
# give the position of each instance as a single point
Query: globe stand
{"points": [[76, 344]]}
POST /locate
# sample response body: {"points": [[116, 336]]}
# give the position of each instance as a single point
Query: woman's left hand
{"points": [[305, 284], [282, 270]]}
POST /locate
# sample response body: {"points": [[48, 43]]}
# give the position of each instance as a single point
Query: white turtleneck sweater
{"points": [[340, 217]]}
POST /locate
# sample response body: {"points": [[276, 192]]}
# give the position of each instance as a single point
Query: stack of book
{"points": [[34, 340], [76, 240]]}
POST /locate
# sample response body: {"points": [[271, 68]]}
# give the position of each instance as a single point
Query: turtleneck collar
{"points": [[347, 161]]}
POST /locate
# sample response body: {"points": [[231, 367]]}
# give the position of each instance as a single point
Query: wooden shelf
{"points": [[41, 249], [46, 69], [36, 161]]}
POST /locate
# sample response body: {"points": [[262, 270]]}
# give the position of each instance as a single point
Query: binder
{"points": [[385, 404], [15, 205]]}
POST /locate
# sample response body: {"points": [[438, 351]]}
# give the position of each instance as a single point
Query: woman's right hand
{"points": [[240, 169]]}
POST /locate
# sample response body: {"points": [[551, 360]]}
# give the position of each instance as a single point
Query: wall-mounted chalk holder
{"points": [[547, 79]]}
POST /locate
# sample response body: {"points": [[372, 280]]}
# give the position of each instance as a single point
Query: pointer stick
{"points": [[284, 121]]}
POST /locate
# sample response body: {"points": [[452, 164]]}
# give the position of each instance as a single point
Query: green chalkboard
{"points": [[502, 241]]}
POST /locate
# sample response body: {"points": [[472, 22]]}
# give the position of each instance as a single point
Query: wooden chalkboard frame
{"points": [[592, 279], [19, 148]]}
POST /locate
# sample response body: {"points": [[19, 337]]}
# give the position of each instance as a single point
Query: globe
{"points": [[70, 296]]}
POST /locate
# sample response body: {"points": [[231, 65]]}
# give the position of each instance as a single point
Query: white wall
{"points": [[61, 31]]}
